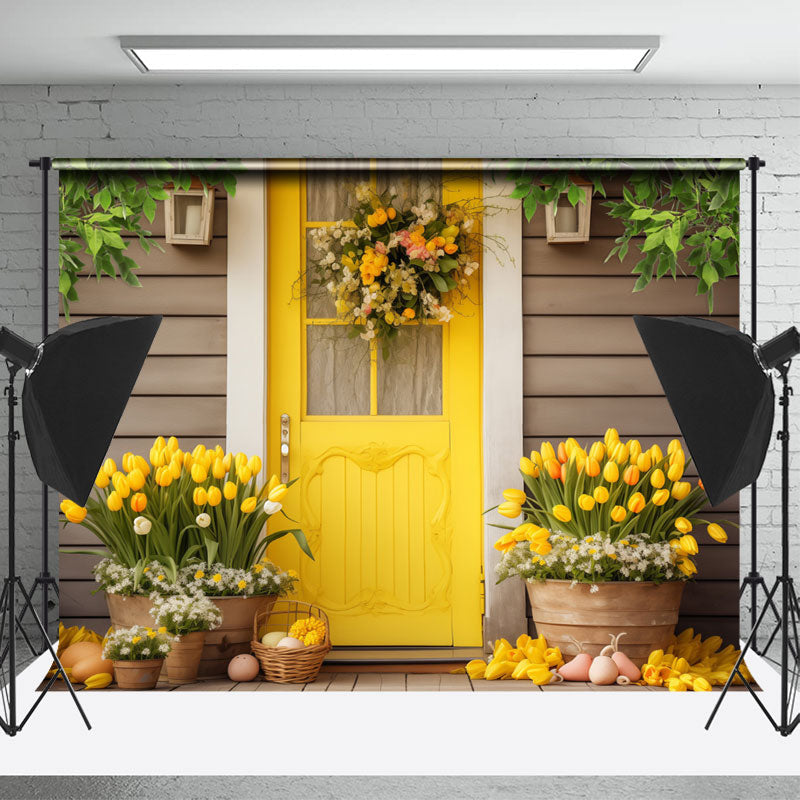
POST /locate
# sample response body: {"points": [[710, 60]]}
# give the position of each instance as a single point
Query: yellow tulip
{"points": [[675, 472], [611, 472], [657, 479], [476, 669], [683, 525], [243, 474], [643, 463], [240, 460], [138, 502], [114, 501], [618, 513], [73, 512], [136, 479], [681, 489], [631, 475], [218, 469], [200, 496], [102, 480], [514, 496], [701, 684], [199, 451], [158, 457], [527, 467], [214, 496], [521, 670], [689, 544], [541, 548], [676, 685], [674, 445], [510, 510], [127, 461], [121, 485], [229, 490], [562, 513], [660, 497], [172, 445], [687, 567], [199, 473], [586, 502], [636, 502], [278, 493], [540, 674], [634, 449], [188, 461], [160, 443], [98, 681], [498, 669], [611, 435], [547, 451], [592, 467], [651, 675], [249, 505], [255, 465], [109, 467], [140, 463], [600, 494], [597, 451], [163, 477], [717, 533]]}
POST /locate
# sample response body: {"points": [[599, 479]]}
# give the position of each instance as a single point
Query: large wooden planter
{"points": [[646, 612], [231, 639]]}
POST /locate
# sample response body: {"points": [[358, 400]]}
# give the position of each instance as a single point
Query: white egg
{"points": [[290, 642]]}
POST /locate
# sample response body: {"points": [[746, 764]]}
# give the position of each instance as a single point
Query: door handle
{"points": [[284, 448]]}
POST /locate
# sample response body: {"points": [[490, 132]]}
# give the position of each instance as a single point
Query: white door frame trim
{"points": [[504, 610]]}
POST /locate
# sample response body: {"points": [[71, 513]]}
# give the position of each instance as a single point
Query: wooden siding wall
{"points": [[585, 369], [181, 390]]}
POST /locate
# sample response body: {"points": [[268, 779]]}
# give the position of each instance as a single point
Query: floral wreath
{"points": [[393, 262]]}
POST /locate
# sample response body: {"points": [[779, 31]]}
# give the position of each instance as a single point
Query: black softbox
{"points": [[721, 396], [76, 393]]}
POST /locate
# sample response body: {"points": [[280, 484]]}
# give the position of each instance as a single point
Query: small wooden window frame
{"points": [[584, 219], [206, 217]]}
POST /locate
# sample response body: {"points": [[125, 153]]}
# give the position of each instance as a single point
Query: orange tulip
{"points": [[553, 468], [562, 453], [592, 467], [138, 502], [631, 475], [636, 502]]}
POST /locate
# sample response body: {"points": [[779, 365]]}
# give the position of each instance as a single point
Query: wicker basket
{"points": [[287, 665]]}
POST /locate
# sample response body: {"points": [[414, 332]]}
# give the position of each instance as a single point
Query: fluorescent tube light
{"points": [[390, 54]]}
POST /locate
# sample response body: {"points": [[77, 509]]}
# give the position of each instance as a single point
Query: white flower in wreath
{"points": [[271, 507]]}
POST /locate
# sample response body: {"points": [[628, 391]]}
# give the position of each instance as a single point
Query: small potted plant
{"points": [[187, 617], [138, 655]]}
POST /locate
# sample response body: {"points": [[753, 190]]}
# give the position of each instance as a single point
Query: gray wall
{"points": [[406, 121]]}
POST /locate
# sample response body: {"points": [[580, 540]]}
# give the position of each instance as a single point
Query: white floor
{"points": [[448, 733]]}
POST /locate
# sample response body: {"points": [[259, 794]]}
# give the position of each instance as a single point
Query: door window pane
{"points": [[329, 193], [410, 379], [338, 371], [411, 187], [319, 301]]}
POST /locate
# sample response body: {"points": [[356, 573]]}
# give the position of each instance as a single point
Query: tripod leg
{"points": [[59, 667], [748, 645]]}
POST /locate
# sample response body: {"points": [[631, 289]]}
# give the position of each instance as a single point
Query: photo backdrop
{"points": [[661, 238]]}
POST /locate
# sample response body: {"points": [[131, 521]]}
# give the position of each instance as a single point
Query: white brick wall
{"points": [[410, 121]]}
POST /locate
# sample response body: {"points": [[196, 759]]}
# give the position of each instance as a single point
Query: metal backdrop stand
{"points": [[44, 583], [788, 622], [754, 580], [10, 620]]}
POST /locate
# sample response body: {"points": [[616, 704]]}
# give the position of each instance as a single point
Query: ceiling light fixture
{"points": [[389, 54]]}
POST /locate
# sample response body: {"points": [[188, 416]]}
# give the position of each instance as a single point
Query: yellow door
{"points": [[388, 452]]}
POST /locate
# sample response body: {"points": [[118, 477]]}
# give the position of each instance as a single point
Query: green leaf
{"points": [[653, 240], [113, 239], [149, 208], [520, 191], [64, 282], [439, 281], [710, 275], [447, 264], [529, 206], [575, 195], [642, 213], [724, 232], [229, 183]]}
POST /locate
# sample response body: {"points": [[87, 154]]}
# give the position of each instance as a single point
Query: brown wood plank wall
{"points": [[585, 368], [182, 388]]}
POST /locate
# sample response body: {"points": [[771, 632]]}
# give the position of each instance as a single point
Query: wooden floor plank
{"points": [[368, 682], [269, 686], [393, 682], [455, 683], [423, 683], [505, 686], [342, 682], [567, 686], [207, 685], [321, 683]]}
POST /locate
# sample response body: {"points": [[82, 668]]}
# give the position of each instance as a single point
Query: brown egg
{"points": [[78, 651], [243, 668], [92, 665]]}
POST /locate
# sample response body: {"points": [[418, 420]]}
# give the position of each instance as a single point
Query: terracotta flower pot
{"points": [[647, 612], [125, 612], [233, 637], [138, 674], [183, 660]]}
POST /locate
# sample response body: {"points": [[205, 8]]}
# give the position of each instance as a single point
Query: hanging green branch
{"points": [[97, 208], [662, 213], [673, 211]]}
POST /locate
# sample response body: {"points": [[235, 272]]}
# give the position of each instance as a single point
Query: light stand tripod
{"points": [[789, 617], [754, 580], [10, 621]]}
